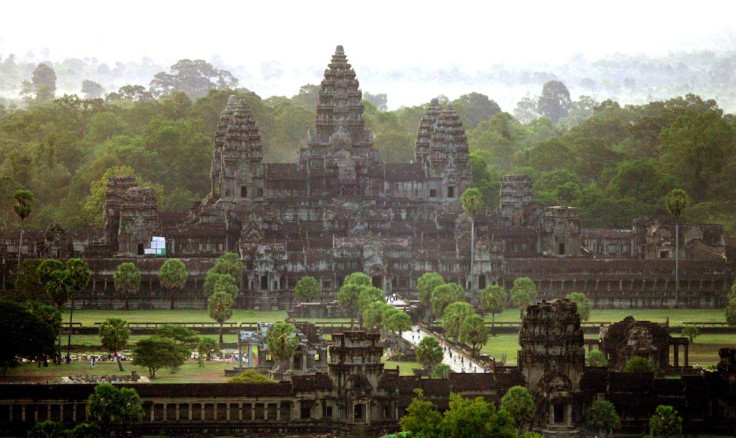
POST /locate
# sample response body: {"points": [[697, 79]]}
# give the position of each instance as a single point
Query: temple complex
{"points": [[340, 208]]}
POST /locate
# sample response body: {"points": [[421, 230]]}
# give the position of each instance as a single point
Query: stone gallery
{"points": [[341, 209]]}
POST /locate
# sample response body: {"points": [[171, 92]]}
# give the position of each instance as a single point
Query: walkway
{"points": [[457, 361]]}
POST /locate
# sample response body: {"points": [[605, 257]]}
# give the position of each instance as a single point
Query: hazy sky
{"points": [[378, 35]]}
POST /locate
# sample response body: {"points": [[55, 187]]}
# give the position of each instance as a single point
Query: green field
{"points": [[676, 316], [90, 317], [405, 368], [190, 372]]}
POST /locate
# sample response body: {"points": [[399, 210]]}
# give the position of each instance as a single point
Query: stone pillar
{"points": [[165, 417], [61, 412], [177, 412], [153, 409], [687, 354], [23, 413], [677, 355], [278, 411], [190, 411], [202, 414], [227, 411], [74, 413]]}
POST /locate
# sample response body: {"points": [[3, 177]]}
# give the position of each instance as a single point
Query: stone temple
{"points": [[340, 208]]}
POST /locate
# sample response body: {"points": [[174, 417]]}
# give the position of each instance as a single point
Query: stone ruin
{"points": [[341, 208]]}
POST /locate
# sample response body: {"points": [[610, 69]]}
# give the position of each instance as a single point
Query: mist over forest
{"points": [[610, 136], [626, 79]]}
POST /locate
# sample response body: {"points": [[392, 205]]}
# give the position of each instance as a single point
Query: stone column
{"points": [[202, 414], [74, 413], [687, 354], [677, 355], [165, 417], [153, 409], [278, 411], [227, 411], [61, 412], [190, 411], [176, 406], [23, 413]]}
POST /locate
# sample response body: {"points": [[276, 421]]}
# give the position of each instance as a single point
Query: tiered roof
{"points": [[424, 134]]}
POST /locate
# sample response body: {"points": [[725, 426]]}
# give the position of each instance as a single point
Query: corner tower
{"points": [[446, 163]]}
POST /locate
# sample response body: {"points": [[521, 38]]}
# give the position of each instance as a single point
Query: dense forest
{"points": [[614, 162]]}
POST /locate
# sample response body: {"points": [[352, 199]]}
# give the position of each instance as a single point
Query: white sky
{"points": [[379, 35]]}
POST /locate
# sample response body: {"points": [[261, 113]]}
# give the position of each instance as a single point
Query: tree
{"points": [[77, 278], [520, 404], [691, 332], [398, 322], [42, 84], [250, 376], [421, 418], [282, 342], [229, 263], [493, 300], [473, 332], [172, 275], [445, 294], [429, 352], [49, 315], [156, 352], [523, 293], [596, 358], [638, 364], [53, 279], [357, 278], [675, 203], [112, 405], [602, 416], [195, 78], [666, 422], [307, 289], [582, 302], [220, 307], [25, 335], [22, 208], [347, 298], [441, 371], [475, 418], [225, 282], [92, 89], [368, 295], [180, 334], [426, 285], [127, 280], [206, 348], [47, 429], [472, 202], [555, 101], [372, 315], [731, 313], [474, 108], [454, 316], [114, 334]]}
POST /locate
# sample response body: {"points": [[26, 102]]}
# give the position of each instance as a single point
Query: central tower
{"points": [[340, 160]]}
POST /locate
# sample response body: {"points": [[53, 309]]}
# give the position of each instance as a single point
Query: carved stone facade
{"points": [[341, 209], [552, 361]]}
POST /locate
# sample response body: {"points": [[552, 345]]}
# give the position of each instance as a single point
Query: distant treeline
{"points": [[613, 162]]}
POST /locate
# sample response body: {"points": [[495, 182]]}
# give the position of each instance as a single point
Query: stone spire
{"points": [[448, 145], [338, 105], [238, 150], [424, 134]]}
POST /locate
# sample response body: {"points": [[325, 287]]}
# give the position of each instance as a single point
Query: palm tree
{"points": [[472, 202], [675, 203], [22, 207]]}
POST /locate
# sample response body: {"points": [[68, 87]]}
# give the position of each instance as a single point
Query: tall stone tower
{"points": [[552, 360], [424, 134], [236, 171], [516, 195], [355, 367], [340, 160], [442, 150]]}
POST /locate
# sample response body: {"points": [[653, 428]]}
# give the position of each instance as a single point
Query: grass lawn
{"points": [[676, 316], [90, 317], [190, 372], [94, 340], [703, 352], [405, 368]]}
